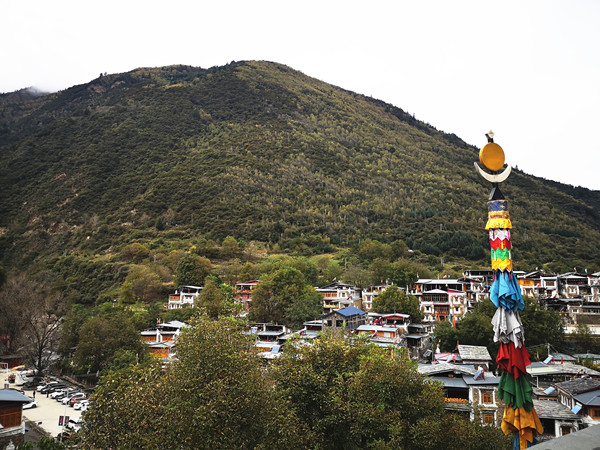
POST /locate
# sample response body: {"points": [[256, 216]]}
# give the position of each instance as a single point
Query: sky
{"points": [[528, 70]]}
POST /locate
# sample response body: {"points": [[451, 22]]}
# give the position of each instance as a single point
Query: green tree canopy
{"points": [[284, 296], [334, 394], [446, 336], [371, 249], [404, 272], [230, 248], [105, 335], [394, 300], [215, 396], [211, 298], [192, 270], [354, 395]]}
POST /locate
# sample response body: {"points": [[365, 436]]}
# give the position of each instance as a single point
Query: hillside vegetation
{"points": [[178, 156]]}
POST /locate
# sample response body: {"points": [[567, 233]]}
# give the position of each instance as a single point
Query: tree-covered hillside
{"points": [[258, 151]]}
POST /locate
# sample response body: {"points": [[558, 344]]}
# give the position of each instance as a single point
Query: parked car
{"points": [[57, 394], [54, 388], [66, 392], [31, 404], [67, 398], [81, 404], [51, 387], [74, 424], [44, 384], [74, 398]]}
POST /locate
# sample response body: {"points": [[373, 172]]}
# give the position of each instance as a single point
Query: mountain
{"points": [[261, 152]]}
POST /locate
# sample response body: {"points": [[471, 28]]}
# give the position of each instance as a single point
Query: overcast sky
{"points": [[528, 70]]}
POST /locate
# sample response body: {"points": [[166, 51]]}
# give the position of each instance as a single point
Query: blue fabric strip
{"points": [[506, 292]]}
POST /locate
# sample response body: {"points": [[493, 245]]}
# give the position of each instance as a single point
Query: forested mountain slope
{"points": [[262, 152]]}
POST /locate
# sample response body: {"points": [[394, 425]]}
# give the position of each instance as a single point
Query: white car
{"points": [[59, 394], [74, 424], [77, 395], [31, 404], [81, 405]]}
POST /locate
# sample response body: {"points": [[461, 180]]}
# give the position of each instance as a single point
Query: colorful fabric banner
{"points": [[514, 388], [512, 359], [506, 292]]}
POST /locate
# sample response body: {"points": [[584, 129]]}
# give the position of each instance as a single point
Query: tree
{"points": [[308, 306], [542, 326], [284, 296], [136, 252], [371, 249], [328, 269], [32, 316], [583, 339], [475, 328], [103, 336], [354, 395], [357, 274], [394, 300], [379, 269], [399, 249], [2, 275], [446, 336], [215, 396], [141, 284], [192, 270], [230, 248], [72, 321], [404, 272], [211, 298], [333, 394]]}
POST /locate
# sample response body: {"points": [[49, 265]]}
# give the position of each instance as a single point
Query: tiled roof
{"points": [[549, 409], [474, 352], [541, 369], [579, 385], [436, 369]]}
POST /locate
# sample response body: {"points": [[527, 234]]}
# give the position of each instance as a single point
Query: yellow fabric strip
{"points": [[502, 264], [498, 223], [523, 421]]}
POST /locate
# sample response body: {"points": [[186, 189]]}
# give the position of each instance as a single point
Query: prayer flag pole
{"points": [[514, 388]]}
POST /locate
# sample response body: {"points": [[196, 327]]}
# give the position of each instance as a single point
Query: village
{"points": [[566, 394]]}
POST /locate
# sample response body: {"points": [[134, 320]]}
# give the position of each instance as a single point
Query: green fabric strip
{"points": [[501, 253], [516, 393]]}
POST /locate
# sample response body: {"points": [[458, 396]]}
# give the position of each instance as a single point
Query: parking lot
{"points": [[48, 411]]}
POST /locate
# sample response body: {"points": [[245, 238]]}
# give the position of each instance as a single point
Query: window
{"points": [[487, 397], [488, 418], [565, 429]]}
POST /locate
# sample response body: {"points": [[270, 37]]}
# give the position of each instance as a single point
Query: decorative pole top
{"points": [[491, 156]]}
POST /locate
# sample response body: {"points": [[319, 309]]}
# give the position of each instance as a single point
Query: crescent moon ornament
{"points": [[497, 178], [492, 158]]}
